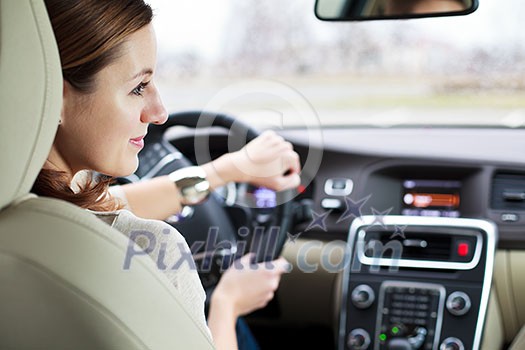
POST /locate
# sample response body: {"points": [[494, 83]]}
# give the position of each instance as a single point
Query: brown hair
{"points": [[91, 194], [89, 35]]}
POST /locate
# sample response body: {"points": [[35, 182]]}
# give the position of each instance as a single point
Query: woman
{"points": [[266, 157], [108, 56]]}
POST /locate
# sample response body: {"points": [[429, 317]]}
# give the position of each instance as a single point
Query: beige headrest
{"points": [[30, 94]]}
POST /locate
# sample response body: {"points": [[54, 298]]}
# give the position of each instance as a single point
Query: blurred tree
{"points": [[268, 37]]}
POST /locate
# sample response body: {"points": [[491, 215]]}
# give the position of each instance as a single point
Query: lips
{"points": [[138, 141]]}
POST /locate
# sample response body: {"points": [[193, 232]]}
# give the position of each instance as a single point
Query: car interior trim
{"points": [[488, 227]]}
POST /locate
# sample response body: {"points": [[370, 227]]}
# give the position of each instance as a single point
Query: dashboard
{"points": [[477, 180], [462, 172]]}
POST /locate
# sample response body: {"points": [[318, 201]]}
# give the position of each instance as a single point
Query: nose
{"points": [[154, 111]]}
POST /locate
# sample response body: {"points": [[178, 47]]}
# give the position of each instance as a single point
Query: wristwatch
{"points": [[192, 184]]}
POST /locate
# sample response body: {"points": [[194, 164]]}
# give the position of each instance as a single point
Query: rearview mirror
{"points": [[359, 10]]}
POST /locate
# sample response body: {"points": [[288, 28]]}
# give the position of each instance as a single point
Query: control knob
{"points": [[358, 339], [452, 343], [362, 296], [458, 303], [413, 342]]}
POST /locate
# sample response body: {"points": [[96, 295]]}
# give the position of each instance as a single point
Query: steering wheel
{"points": [[216, 231]]}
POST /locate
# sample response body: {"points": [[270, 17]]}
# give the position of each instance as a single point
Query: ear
{"points": [[67, 99], [63, 99]]}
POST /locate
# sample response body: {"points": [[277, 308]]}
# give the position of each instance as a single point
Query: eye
{"points": [[139, 90]]}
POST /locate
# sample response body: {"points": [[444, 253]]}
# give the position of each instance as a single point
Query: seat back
{"points": [[62, 281]]}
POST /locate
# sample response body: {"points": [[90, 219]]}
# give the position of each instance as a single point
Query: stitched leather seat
{"points": [[62, 282]]}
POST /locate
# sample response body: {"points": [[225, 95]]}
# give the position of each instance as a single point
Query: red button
{"points": [[463, 249]]}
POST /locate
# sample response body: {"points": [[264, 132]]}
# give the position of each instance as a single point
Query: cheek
{"points": [[117, 120], [111, 152], [96, 131]]}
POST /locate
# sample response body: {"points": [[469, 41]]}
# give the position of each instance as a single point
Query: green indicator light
{"points": [[382, 337], [395, 330]]}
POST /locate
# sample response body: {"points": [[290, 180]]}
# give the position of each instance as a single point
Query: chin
{"points": [[130, 168], [126, 168]]}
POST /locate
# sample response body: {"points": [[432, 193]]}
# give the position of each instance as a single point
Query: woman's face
{"points": [[400, 7], [104, 130]]}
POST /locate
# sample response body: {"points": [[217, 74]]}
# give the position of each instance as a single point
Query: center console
{"points": [[413, 282]]}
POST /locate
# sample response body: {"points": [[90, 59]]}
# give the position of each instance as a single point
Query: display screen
{"points": [[431, 198], [264, 197]]}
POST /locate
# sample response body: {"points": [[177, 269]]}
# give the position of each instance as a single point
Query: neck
{"points": [[55, 161]]}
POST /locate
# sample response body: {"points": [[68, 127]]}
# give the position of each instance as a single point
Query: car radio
{"points": [[431, 198], [413, 282]]}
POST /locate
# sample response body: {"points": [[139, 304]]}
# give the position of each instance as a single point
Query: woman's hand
{"points": [[243, 288], [246, 287], [267, 161]]}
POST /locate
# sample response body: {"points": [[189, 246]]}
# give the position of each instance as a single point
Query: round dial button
{"points": [[358, 339], [452, 344], [363, 296], [458, 303]]}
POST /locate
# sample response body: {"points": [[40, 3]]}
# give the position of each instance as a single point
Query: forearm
{"points": [[222, 170], [222, 321], [157, 198]]}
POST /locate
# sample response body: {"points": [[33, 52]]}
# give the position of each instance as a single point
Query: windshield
{"points": [[272, 62]]}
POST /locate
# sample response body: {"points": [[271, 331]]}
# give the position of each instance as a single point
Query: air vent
{"points": [[508, 192], [419, 247], [416, 246]]}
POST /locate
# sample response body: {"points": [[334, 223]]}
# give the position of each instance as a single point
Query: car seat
{"points": [[62, 282]]}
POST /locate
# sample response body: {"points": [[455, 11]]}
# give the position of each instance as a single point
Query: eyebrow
{"points": [[145, 71]]}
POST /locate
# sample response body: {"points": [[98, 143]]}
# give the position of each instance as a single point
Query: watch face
{"points": [[196, 194], [192, 184]]}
